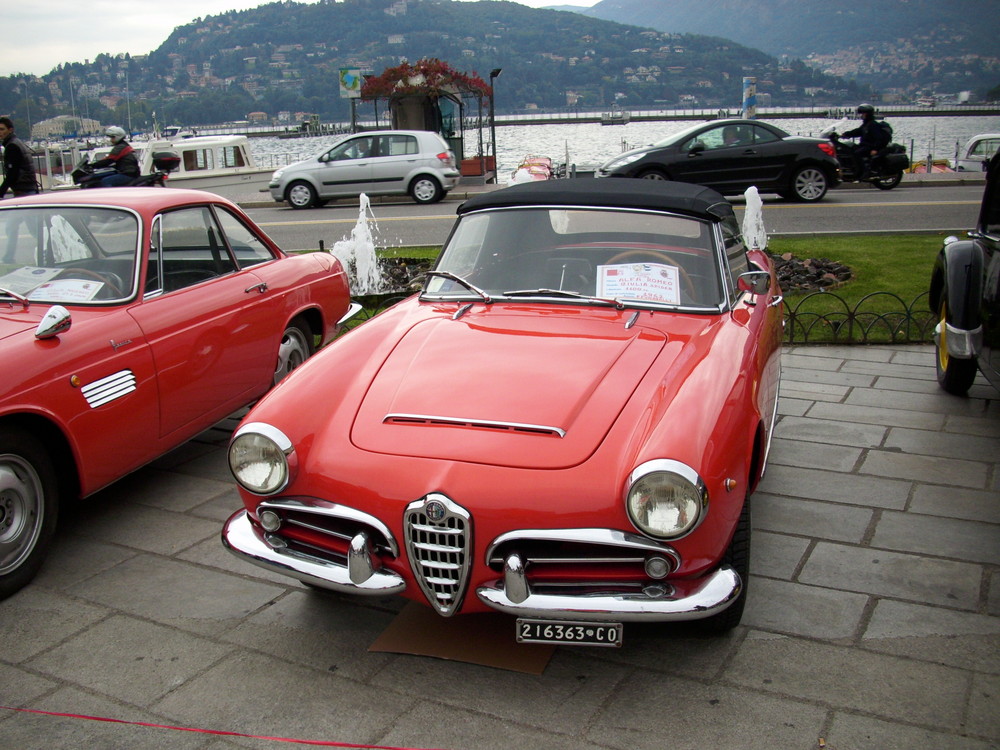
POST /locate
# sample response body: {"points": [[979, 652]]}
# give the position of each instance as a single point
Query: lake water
{"points": [[589, 144]]}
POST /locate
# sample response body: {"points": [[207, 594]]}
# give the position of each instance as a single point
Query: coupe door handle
{"points": [[261, 287]]}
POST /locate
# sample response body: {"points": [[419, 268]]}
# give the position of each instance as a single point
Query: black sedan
{"points": [[731, 155], [965, 293]]}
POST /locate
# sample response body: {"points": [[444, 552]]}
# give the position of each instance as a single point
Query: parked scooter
{"points": [[86, 176], [886, 168]]}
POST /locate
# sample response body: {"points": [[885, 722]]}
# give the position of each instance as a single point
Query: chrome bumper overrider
{"points": [[356, 577], [656, 603], [962, 343]]}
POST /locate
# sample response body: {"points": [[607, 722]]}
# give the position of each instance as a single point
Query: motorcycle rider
{"points": [[873, 138], [122, 158]]}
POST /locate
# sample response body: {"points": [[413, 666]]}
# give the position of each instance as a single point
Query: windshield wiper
{"points": [[459, 280], [23, 300], [564, 293]]}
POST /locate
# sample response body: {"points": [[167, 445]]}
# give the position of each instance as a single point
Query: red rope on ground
{"points": [[320, 743]]}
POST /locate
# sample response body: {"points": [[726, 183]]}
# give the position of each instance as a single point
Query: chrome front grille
{"points": [[438, 543]]}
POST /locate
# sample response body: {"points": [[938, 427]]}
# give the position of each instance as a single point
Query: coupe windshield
{"points": [[68, 254], [574, 255]]}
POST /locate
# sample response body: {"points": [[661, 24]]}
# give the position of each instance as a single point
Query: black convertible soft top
{"points": [[676, 197]]}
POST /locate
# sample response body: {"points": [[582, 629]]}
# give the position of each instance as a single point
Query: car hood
{"points": [[15, 321], [509, 389]]}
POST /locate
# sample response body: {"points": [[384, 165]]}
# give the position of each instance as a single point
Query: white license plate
{"points": [[569, 633]]}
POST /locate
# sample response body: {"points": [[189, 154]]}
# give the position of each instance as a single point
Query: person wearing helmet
{"points": [[873, 138], [122, 158]]}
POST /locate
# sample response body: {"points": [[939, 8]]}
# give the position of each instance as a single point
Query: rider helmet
{"points": [[115, 133], [866, 109]]}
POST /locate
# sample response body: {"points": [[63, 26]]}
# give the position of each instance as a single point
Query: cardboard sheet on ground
{"points": [[487, 639]]}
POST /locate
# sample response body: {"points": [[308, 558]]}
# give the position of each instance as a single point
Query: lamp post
{"points": [[494, 74]]}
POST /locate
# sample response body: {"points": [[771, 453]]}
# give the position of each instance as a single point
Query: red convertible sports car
{"points": [[132, 319], [565, 425]]}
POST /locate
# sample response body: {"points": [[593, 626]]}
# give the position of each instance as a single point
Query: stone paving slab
{"points": [[873, 618]]}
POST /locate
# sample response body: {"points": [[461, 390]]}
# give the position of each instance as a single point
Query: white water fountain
{"points": [[754, 233], [357, 253]]}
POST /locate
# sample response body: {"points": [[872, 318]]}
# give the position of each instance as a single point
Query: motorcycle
{"points": [[86, 175], [885, 169]]}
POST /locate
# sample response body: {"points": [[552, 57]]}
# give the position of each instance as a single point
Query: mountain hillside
{"points": [[280, 62], [892, 43]]}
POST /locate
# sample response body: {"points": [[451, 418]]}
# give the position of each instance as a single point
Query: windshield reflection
{"points": [[591, 256], [68, 255]]}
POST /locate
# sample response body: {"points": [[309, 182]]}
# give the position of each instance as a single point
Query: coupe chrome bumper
{"points": [[656, 603], [355, 576]]}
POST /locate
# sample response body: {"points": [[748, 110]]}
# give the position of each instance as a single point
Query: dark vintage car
{"points": [[732, 155], [131, 319], [965, 295], [565, 425]]}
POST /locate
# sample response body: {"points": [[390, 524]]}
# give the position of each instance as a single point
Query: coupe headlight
{"points": [[277, 175], [666, 499], [259, 458]]}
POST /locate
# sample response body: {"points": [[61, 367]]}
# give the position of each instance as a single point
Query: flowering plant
{"points": [[428, 76]]}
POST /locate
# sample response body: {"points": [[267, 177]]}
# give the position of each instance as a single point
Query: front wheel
{"points": [[295, 348], [29, 505], [426, 190], [888, 182], [653, 174], [953, 375], [809, 184], [301, 195]]}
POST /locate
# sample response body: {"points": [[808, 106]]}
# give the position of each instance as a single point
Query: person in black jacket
{"points": [[873, 138], [18, 166], [122, 158]]}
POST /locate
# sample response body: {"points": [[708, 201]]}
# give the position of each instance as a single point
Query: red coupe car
{"points": [[132, 319], [565, 425]]}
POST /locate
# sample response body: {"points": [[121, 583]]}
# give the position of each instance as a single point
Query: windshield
{"points": [[68, 254], [581, 255]]}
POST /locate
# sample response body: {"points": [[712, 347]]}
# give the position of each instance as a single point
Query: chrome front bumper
{"points": [[356, 576], [656, 603]]}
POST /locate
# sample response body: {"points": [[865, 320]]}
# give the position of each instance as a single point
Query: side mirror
{"points": [[755, 282], [57, 320], [697, 147]]}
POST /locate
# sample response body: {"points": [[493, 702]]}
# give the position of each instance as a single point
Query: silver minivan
{"points": [[384, 162]]}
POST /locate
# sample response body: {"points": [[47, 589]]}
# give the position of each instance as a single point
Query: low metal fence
{"points": [[878, 318]]}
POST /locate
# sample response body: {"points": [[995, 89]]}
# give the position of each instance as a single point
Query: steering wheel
{"points": [[656, 258], [111, 282]]}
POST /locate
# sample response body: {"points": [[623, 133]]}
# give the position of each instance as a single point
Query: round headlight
{"points": [[666, 499], [258, 458]]}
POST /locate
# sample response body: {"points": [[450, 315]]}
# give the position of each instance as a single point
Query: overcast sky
{"points": [[43, 33]]}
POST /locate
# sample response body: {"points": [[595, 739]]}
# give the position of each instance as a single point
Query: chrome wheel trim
{"points": [[292, 351], [22, 511], [654, 176], [425, 190], [300, 195], [810, 184]]}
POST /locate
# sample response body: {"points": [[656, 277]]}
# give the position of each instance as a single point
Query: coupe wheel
{"points": [[954, 375], [28, 508], [653, 174], [295, 348], [737, 556], [426, 190], [301, 195], [809, 184], [888, 182]]}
